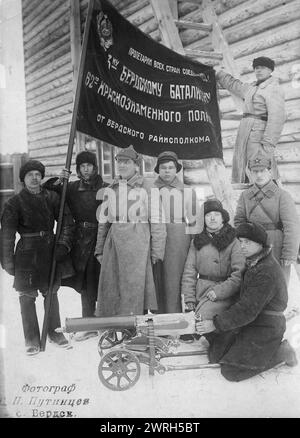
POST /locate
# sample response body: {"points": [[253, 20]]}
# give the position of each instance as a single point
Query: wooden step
{"points": [[203, 54], [192, 25]]}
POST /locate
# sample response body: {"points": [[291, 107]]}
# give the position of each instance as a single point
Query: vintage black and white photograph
{"points": [[149, 211]]}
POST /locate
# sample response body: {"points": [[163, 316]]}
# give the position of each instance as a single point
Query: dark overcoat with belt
{"points": [[83, 200], [30, 262], [256, 318]]}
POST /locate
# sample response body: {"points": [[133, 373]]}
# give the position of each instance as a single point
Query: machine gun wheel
{"points": [[111, 338], [119, 370]]}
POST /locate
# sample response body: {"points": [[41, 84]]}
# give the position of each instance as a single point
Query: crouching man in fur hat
{"points": [[246, 339], [32, 214]]}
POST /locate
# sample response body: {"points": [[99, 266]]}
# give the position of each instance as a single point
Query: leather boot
{"points": [[54, 322], [30, 324]]}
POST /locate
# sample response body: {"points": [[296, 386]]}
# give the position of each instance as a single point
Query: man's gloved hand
{"points": [[64, 174], [189, 307], [269, 149], [61, 252], [211, 295]]}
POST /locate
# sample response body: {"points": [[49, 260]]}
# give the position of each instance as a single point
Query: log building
{"points": [[53, 29]]}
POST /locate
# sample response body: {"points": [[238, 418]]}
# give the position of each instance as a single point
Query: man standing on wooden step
{"points": [[273, 208], [263, 116]]}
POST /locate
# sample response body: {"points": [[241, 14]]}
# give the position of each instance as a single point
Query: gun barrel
{"points": [[93, 324]]}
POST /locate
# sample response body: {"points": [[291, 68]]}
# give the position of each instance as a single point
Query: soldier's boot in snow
{"points": [[286, 354], [54, 322], [30, 324]]}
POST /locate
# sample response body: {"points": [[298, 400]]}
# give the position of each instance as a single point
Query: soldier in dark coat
{"points": [[83, 202], [246, 339], [32, 214]]}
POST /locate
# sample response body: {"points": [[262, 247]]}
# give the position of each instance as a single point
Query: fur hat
{"points": [[215, 205], [252, 231], [86, 157], [260, 161], [31, 165], [166, 156], [263, 61], [129, 153]]}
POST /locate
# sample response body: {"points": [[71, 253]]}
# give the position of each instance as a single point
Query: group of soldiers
{"points": [[235, 278]]}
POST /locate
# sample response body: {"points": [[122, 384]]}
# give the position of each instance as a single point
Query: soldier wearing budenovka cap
{"points": [[272, 207], [32, 214], [128, 240], [263, 116]]}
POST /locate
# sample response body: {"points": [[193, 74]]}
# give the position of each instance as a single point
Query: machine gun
{"points": [[136, 339]]}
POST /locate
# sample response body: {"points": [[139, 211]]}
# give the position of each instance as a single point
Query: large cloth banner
{"points": [[136, 91]]}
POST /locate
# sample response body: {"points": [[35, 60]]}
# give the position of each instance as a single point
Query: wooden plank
{"points": [[235, 30], [182, 24], [56, 123], [49, 133], [220, 44], [267, 39], [62, 50], [42, 10], [49, 152], [44, 28], [174, 8], [203, 54], [214, 167], [294, 190], [141, 16], [50, 90], [47, 75], [44, 48], [136, 5], [49, 143], [281, 54], [289, 172], [50, 105], [251, 11], [28, 6], [166, 25], [49, 115], [150, 27]]}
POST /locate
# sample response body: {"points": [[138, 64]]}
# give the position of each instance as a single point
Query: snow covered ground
{"points": [[65, 383]]}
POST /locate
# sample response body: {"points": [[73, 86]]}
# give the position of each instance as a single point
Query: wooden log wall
{"points": [[48, 77], [252, 28]]}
